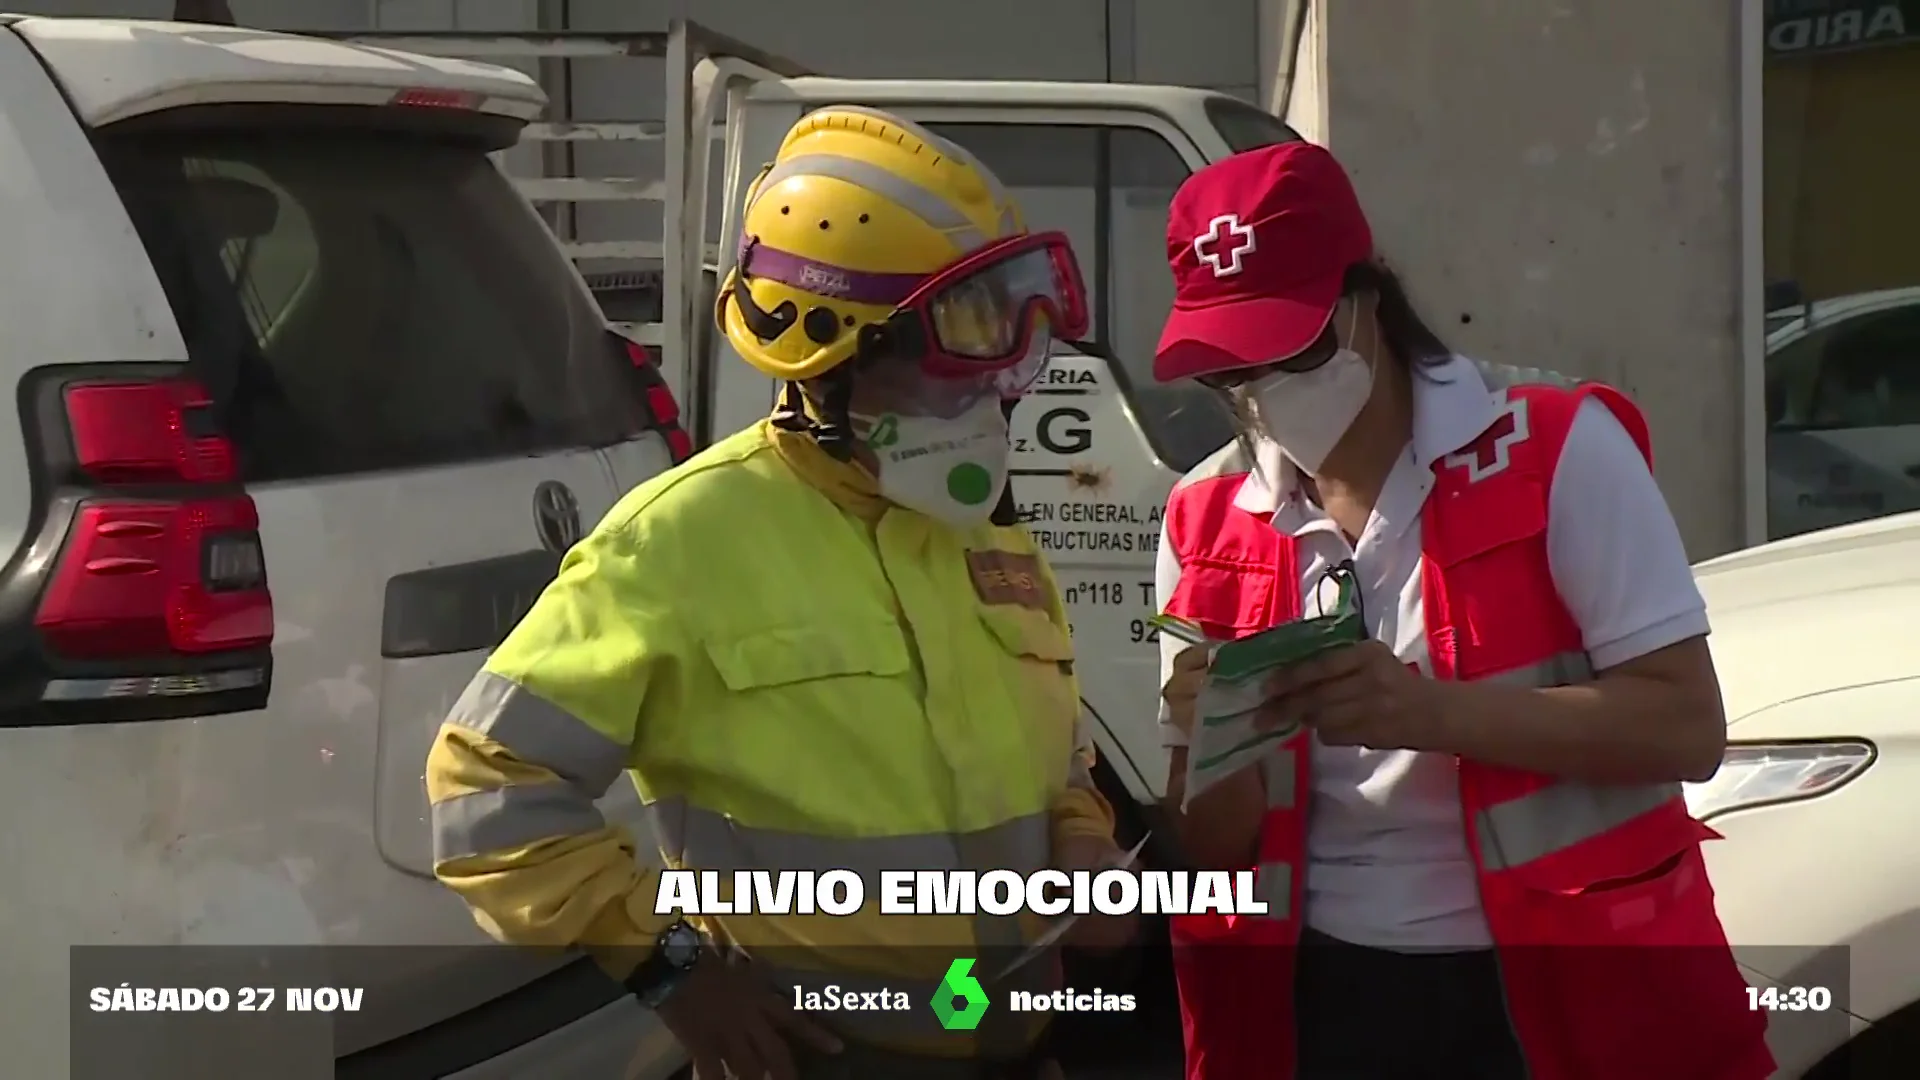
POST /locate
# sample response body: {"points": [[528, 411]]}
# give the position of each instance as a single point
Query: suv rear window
{"points": [[370, 300], [1244, 127]]}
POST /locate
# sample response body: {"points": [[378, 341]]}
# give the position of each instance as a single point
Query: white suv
{"points": [[307, 404]]}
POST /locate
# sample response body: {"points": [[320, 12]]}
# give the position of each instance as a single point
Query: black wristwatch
{"points": [[675, 952]]}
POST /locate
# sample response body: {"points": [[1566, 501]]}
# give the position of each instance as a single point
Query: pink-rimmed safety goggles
{"points": [[993, 313]]}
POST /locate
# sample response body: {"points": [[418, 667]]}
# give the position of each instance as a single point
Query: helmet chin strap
{"points": [[1007, 512], [832, 429]]}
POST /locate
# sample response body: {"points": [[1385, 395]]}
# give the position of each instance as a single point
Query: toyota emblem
{"points": [[556, 516]]}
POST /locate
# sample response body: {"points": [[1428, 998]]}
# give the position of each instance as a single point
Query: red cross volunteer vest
{"points": [[1613, 960]]}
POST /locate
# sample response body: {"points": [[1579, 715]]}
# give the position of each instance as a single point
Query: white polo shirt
{"points": [[1388, 865]]}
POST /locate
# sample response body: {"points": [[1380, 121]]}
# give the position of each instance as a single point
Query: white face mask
{"points": [[953, 470], [1305, 413]]}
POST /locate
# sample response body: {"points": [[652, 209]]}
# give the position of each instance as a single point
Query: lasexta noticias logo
{"points": [[960, 1001]]}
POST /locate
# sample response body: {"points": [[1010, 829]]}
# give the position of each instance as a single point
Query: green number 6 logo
{"points": [[960, 1001]]}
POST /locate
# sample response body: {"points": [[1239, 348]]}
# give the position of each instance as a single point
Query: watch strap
{"points": [[653, 980]]}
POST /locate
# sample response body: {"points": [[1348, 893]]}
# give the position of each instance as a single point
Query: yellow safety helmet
{"points": [[856, 210]]}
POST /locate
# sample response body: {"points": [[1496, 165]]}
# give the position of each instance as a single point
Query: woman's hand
{"points": [[1183, 686], [1361, 695]]}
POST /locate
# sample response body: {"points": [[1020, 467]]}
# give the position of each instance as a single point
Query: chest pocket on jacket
{"points": [[1041, 656], [789, 655], [1029, 634], [1228, 602], [1490, 542]]}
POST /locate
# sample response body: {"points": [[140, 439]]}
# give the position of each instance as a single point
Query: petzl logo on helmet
{"points": [[824, 281], [1225, 245], [886, 432], [960, 1001]]}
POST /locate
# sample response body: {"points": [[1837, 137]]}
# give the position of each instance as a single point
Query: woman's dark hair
{"points": [[1405, 334]]}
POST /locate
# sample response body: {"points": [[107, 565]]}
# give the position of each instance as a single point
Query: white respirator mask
{"points": [[950, 469], [1305, 413]]}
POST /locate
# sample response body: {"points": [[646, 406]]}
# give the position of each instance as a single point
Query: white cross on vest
{"points": [[1224, 245]]}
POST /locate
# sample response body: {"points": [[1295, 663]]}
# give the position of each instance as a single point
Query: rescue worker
{"points": [[821, 643], [1476, 852]]}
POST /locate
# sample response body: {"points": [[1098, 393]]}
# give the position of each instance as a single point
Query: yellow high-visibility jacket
{"points": [[797, 675]]}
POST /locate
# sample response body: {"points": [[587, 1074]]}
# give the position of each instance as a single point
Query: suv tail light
{"points": [[153, 598], [660, 403]]}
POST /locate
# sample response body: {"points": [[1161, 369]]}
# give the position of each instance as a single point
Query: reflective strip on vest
{"points": [[1518, 831], [505, 818], [1561, 669], [1273, 879], [1557, 817], [1273, 883], [539, 732]]}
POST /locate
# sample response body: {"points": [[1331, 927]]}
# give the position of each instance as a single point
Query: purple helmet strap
{"points": [[824, 279]]}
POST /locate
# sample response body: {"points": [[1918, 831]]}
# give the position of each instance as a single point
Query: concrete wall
{"points": [[1559, 183]]}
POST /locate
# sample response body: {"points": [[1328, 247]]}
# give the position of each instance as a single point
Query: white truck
{"points": [[309, 402]]}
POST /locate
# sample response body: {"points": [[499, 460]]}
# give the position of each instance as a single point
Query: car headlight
{"points": [[1754, 774]]}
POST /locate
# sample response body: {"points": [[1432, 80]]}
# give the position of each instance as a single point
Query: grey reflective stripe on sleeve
{"points": [[1273, 883], [1561, 669], [505, 818], [917, 200], [706, 840], [539, 732], [1554, 818]]}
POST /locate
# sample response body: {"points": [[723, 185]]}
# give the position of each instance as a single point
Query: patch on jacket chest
{"points": [[1006, 577]]}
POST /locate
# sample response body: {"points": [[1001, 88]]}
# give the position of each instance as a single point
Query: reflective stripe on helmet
{"points": [[923, 204], [1009, 213]]}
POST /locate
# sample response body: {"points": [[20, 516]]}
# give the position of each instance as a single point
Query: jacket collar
{"points": [[845, 484]]}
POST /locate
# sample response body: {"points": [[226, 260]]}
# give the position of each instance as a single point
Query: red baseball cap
{"points": [[1259, 243]]}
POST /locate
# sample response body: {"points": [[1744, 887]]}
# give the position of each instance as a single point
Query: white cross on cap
{"points": [[1231, 242]]}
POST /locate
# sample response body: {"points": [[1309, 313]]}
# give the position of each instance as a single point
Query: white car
{"points": [[1817, 880], [1843, 410], [305, 401]]}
